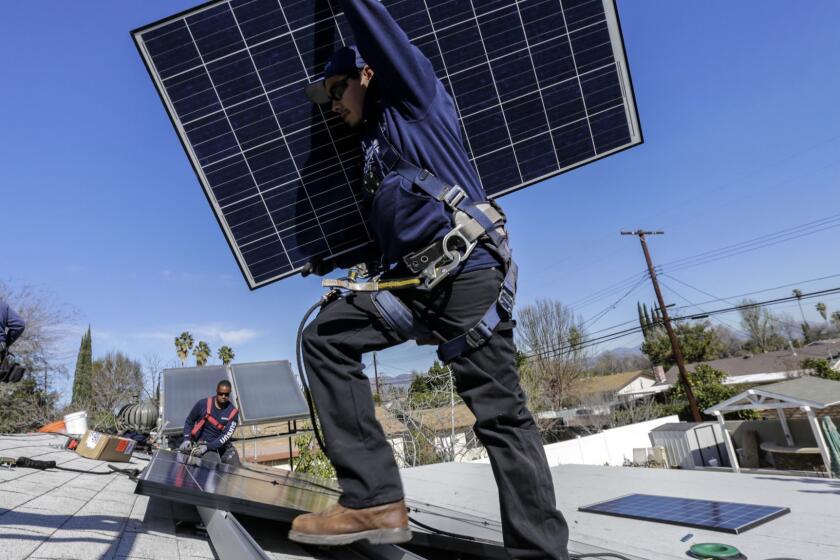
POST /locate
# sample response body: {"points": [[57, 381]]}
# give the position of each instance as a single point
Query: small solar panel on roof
{"points": [[728, 517], [540, 87]]}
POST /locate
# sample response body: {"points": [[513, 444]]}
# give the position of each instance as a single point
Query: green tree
{"points": [[820, 367], [709, 390], [311, 458], [835, 318], [761, 326], [226, 354], [431, 389], [116, 380], [699, 343], [822, 309], [183, 344], [82, 378], [202, 353], [25, 406]]}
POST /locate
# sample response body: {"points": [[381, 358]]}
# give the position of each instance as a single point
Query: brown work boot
{"points": [[385, 524]]}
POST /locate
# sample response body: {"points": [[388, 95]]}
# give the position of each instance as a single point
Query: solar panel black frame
{"points": [[608, 117], [288, 403], [629, 506]]}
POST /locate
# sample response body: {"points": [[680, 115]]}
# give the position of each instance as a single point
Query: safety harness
{"points": [[208, 417], [474, 223]]}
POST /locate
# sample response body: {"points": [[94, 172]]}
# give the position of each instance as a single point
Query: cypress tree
{"points": [[82, 378]]}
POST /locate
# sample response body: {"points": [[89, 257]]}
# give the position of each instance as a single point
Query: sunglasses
{"points": [[223, 394], [337, 90]]}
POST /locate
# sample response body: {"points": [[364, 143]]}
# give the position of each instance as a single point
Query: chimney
{"points": [[659, 374]]}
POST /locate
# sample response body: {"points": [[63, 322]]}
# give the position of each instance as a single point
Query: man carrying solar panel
{"points": [[210, 425], [435, 232]]}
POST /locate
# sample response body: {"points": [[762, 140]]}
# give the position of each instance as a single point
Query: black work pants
{"points": [[225, 454], [486, 379]]}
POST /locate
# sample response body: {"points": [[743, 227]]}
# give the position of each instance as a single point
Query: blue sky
{"points": [[738, 104]]}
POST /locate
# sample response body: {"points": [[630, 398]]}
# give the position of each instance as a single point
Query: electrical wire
{"points": [[597, 317], [760, 242], [565, 347], [726, 300], [302, 370]]}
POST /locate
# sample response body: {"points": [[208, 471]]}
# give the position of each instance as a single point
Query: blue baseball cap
{"points": [[345, 60]]}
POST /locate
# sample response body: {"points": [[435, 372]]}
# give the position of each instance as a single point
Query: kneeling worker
{"points": [[211, 424]]}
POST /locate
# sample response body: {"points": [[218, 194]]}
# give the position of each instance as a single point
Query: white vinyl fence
{"points": [[610, 447]]}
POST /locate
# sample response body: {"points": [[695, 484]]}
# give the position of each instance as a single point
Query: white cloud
{"points": [[224, 335], [213, 333]]}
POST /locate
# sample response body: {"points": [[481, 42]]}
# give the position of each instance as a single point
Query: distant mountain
{"points": [[402, 381]]}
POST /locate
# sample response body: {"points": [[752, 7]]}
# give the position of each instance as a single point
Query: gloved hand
{"points": [[317, 267], [200, 450], [185, 445]]}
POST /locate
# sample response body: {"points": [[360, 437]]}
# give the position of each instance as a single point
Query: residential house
{"points": [[448, 429], [765, 368]]}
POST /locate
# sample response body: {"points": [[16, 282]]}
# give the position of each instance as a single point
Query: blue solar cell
{"points": [[610, 130], [283, 175], [536, 156], [525, 116], [502, 32], [592, 47], [542, 19], [215, 32], [259, 19], [728, 517]]}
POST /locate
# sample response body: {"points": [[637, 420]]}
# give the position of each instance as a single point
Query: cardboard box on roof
{"points": [[104, 447]]}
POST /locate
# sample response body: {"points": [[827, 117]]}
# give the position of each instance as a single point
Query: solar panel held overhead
{"points": [[540, 87]]}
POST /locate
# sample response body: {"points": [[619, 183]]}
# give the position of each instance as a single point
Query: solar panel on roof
{"points": [[268, 392], [540, 87], [280, 495], [728, 517], [182, 388]]}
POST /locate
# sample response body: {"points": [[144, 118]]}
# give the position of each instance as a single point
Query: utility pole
{"points": [[376, 378], [675, 343]]}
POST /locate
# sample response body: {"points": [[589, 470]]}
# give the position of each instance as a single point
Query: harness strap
{"points": [[399, 317], [481, 332], [208, 417], [473, 222]]}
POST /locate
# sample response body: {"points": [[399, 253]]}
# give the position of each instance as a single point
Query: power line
{"points": [[726, 300], [564, 348], [597, 317], [756, 243]]}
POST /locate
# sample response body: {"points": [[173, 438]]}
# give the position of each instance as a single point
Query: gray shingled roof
{"points": [[50, 515], [769, 362]]}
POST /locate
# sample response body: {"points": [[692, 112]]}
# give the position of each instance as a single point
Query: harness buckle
{"points": [[453, 196], [506, 300], [478, 335]]}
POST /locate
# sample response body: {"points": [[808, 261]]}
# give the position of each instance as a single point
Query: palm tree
{"points": [[226, 354], [835, 318], [797, 293], [202, 353], [822, 310], [183, 345]]}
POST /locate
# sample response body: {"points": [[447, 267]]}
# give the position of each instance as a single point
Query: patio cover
{"points": [[807, 393]]}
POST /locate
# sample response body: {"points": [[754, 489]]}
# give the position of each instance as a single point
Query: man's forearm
{"points": [[387, 49]]}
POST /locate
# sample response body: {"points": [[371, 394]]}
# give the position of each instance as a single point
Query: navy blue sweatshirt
{"points": [[11, 324], [210, 435], [418, 117]]}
